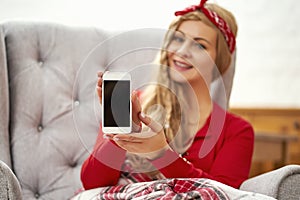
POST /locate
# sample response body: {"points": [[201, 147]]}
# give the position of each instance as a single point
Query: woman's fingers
{"points": [[99, 80], [127, 138], [155, 126], [136, 109], [99, 86], [147, 134], [99, 92], [100, 74]]}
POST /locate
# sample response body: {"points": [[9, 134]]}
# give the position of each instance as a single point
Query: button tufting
{"points": [[41, 63], [76, 103], [40, 128], [73, 165], [37, 195]]}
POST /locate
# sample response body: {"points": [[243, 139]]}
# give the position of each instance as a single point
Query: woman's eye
{"points": [[200, 46], [178, 38]]}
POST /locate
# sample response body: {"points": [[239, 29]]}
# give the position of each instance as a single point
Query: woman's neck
{"points": [[204, 102]]}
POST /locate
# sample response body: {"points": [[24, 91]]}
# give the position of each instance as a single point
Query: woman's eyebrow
{"points": [[201, 39], [179, 31], [195, 38]]}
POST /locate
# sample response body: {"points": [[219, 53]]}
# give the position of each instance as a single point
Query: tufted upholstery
{"points": [[49, 111], [54, 116]]}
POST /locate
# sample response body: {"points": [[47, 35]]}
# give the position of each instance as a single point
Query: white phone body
{"points": [[116, 103]]}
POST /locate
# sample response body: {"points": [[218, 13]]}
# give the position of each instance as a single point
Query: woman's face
{"points": [[192, 52]]}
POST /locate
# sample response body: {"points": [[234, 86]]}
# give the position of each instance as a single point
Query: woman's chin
{"points": [[179, 76]]}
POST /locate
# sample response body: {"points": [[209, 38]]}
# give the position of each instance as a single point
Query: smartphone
{"points": [[116, 103]]}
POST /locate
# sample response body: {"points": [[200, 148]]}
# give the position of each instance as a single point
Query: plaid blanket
{"points": [[140, 186], [164, 189], [191, 188]]}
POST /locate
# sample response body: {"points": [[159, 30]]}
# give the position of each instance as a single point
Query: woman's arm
{"points": [[102, 168], [230, 166]]}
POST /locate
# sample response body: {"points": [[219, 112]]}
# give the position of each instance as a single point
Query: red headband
{"points": [[215, 19]]}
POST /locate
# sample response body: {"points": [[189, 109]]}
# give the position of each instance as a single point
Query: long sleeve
{"points": [[228, 162], [102, 167], [233, 162]]}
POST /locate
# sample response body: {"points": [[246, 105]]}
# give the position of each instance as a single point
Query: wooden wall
{"points": [[277, 137]]}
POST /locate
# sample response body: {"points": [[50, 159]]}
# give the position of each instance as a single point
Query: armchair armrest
{"points": [[282, 183], [9, 185]]}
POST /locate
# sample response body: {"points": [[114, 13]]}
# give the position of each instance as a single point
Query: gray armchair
{"points": [[49, 111], [282, 183]]}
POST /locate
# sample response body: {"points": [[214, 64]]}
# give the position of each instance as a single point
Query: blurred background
{"points": [[268, 43], [266, 87]]}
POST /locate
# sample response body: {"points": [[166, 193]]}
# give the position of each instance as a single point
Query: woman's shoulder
{"points": [[235, 122], [236, 119]]}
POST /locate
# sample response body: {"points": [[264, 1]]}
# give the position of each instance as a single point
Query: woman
{"points": [[184, 134]]}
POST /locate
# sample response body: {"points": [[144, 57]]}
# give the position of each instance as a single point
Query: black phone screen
{"points": [[116, 103]]}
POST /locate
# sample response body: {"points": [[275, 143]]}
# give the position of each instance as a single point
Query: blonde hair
{"points": [[171, 95], [163, 96]]}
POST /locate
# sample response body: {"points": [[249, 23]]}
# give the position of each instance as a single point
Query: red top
{"points": [[222, 151]]}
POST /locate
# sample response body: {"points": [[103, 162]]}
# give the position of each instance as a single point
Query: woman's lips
{"points": [[181, 66]]}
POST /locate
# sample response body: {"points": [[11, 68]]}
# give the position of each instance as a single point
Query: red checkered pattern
{"points": [[192, 188]]}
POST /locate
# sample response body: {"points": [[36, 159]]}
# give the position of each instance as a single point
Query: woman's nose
{"points": [[184, 50]]}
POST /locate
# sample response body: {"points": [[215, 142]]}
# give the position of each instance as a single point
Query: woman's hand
{"points": [[99, 86], [148, 144], [136, 106]]}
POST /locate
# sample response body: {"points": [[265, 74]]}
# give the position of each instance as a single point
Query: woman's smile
{"points": [[181, 66], [191, 52]]}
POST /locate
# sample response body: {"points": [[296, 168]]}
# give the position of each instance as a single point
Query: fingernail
{"points": [[115, 139]]}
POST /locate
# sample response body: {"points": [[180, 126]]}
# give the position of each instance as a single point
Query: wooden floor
{"points": [[277, 137]]}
